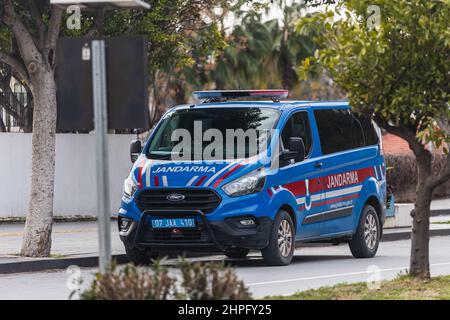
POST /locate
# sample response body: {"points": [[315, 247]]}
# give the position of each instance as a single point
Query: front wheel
{"points": [[365, 241], [280, 250]]}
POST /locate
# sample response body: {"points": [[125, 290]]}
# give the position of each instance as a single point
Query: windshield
{"points": [[213, 133]]}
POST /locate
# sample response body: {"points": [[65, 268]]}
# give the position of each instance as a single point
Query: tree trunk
{"points": [[2, 124], [38, 226], [420, 239]]}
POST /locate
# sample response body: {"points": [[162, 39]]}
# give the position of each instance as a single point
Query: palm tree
{"points": [[263, 54]]}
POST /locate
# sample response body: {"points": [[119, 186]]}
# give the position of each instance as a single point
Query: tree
{"points": [[34, 65], [262, 54], [395, 66], [29, 31]]}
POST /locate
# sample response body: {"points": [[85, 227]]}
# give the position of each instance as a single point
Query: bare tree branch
{"points": [[16, 66], [24, 39], [54, 27], [36, 14]]}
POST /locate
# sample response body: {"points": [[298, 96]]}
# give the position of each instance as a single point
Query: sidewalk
{"points": [[68, 239], [76, 243], [440, 207]]}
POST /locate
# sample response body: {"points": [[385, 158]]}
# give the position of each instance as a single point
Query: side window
{"points": [[358, 134], [297, 126], [335, 130], [370, 135]]}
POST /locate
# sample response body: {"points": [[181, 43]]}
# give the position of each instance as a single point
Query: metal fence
{"points": [[15, 112]]}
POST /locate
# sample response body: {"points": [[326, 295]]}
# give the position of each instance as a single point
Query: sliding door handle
{"points": [[318, 165]]}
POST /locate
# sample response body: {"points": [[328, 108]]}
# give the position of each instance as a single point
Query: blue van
{"points": [[319, 178]]}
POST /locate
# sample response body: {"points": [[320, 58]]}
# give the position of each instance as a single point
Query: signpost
{"points": [[100, 104], [101, 131]]}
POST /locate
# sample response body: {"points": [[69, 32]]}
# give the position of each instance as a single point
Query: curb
{"points": [[92, 261], [50, 264], [439, 212], [395, 236]]}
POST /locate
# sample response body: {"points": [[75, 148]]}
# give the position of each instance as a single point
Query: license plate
{"points": [[173, 223]]}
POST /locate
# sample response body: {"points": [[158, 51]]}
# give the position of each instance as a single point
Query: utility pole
{"points": [[101, 135]]}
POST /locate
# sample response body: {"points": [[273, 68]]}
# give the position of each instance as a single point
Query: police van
{"points": [[231, 175]]}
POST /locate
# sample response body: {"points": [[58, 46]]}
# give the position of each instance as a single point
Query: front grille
{"points": [[205, 200]]}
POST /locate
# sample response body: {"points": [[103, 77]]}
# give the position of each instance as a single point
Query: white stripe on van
{"points": [[147, 174], [376, 172], [331, 194], [217, 174], [341, 192], [314, 197], [164, 181], [192, 181], [301, 200]]}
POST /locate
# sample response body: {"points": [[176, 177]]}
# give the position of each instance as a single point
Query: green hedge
{"points": [[197, 281], [402, 176]]}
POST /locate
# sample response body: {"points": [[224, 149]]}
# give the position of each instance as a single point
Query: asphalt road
{"points": [[312, 267]]}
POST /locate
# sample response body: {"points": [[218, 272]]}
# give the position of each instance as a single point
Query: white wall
{"points": [[75, 188]]}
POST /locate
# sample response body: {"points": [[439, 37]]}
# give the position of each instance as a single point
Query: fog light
{"points": [[247, 222], [124, 224]]}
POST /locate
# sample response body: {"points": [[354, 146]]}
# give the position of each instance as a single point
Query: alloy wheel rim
{"points": [[284, 238], [370, 231]]}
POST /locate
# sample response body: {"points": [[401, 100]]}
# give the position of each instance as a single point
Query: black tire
{"points": [[140, 257], [272, 254], [369, 228], [236, 253]]}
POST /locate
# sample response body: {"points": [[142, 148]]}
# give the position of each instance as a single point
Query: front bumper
{"points": [[207, 236]]}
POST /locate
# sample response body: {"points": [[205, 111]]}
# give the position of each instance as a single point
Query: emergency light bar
{"points": [[98, 3], [213, 96]]}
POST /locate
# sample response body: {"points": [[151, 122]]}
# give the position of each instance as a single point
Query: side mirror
{"points": [[296, 150], [135, 150]]}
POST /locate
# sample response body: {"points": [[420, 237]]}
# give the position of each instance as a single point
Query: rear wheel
{"points": [[140, 257], [365, 241], [280, 250], [236, 253]]}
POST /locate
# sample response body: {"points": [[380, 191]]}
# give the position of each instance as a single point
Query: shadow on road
{"points": [[255, 261]]}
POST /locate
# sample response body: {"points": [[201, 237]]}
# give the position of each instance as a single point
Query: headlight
{"points": [[129, 187], [250, 183]]}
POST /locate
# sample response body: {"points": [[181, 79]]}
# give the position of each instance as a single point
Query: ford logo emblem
{"points": [[175, 197]]}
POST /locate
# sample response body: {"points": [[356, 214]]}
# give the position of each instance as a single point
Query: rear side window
{"points": [[340, 130], [370, 135], [335, 130]]}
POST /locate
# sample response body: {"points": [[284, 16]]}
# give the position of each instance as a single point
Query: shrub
{"points": [[211, 281], [199, 281], [131, 283], [402, 176]]}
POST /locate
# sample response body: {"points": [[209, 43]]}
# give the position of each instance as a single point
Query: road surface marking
{"points": [[338, 275]]}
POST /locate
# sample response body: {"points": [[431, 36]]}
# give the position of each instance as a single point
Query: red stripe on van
{"points": [[298, 188], [140, 177], [353, 196], [225, 175], [199, 182], [156, 181], [321, 203]]}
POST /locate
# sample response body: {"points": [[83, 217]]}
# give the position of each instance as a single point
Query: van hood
{"points": [[156, 173]]}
